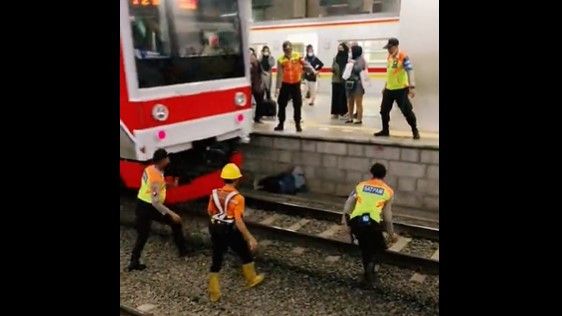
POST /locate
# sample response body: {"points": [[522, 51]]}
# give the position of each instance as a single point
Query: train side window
{"points": [[183, 41], [268, 10]]}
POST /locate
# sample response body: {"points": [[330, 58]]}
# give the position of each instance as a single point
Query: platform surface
{"points": [[318, 124]]}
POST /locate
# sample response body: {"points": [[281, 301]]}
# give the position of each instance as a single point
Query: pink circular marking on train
{"points": [[161, 135]]}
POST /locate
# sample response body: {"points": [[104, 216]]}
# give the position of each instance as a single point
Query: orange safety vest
{"points": [[226, 204], [292, 68]]}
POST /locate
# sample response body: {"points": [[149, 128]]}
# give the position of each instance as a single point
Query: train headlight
{"points": [[160, 112], [240, 99]]}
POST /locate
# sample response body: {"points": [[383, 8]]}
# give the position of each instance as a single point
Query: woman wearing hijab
{"points": [[267, 62], [339, 99], [257, 86], [353, 86]]}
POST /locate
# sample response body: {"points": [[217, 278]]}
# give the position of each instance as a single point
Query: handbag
{"points": [[347, 71]]}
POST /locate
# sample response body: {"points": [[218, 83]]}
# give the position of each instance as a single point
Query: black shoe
{"points": [[367, 283], [382, 133], [349, 122], [416, 134], [136, 266], [185, 252], [370, 281], [258, 122], [278, 127], [358, 122], [299, 129]]}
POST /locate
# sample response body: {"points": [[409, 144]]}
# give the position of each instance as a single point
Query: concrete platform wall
{"points": [[335, 167]]}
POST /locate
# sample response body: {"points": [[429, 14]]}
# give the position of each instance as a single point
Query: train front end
{"points": [[184, 87]]}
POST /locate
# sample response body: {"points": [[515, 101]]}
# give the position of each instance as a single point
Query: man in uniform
{"points": [[288, 86], [150, 206], [399, 87], [227, 228], [370, 199]]}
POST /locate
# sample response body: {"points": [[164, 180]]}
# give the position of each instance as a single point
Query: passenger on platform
{"points": [[352, 44], [310, 77], [339, 99], [267, 62], [353, 85], [257, 85], [399, 87], [289, 73], [150, 206], [227, 229], [369, 203]]}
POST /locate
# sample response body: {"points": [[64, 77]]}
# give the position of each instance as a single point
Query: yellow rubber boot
{"points": [[214, 287], [249, 272]]}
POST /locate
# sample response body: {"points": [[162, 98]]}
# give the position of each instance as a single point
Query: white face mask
{"points": [[266, 53], [310, 54]]}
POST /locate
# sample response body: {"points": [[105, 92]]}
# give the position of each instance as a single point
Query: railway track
{"points": [[125, 310], [314, 227], [325, 211]]}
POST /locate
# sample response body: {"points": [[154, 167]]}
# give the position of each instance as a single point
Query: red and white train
{"points": [[184, 86]]}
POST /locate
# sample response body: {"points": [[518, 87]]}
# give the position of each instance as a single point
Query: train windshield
{"points": [[183, 41]]}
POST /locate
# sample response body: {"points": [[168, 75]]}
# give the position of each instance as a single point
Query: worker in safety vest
{"points": [[288, 86], [399, 87], [150, 206], [369, 203], [227, 229]]}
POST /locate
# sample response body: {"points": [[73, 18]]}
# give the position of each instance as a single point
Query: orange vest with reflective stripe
{"points": [[292, 68], [150, 176]]}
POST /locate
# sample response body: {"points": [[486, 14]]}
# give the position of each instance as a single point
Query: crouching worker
{"points": [[227, 229], [370, 199]]}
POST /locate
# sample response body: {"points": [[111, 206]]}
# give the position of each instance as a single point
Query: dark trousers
{"points": [[339, 99], [371, 241], [224, 236], [258, 96], [286, 93], [146, 213], [401, 98]]}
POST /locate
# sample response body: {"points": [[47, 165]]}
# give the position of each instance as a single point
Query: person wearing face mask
{"points": [[257, 86], [351, 44], [353, 85], [399, 87], [339, 100], [310, 77], [267, 62]]}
